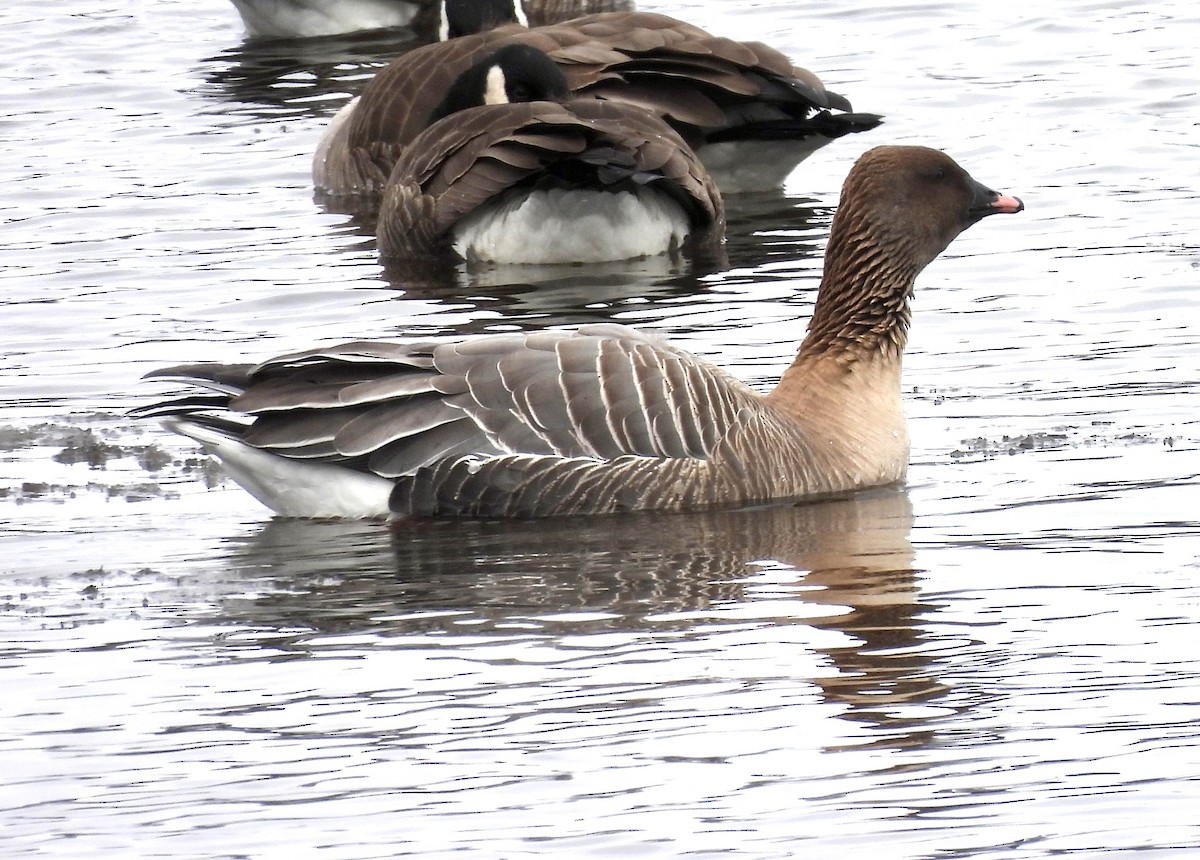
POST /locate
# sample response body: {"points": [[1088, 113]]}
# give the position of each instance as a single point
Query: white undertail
{"points": [[292, 488], [572, 226]]}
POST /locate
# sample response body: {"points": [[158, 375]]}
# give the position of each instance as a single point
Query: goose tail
{"points": [[292, 488]]}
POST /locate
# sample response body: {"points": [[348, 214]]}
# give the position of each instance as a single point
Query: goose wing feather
{"points": [[663, 65], [406, 456], [606, 391], [466, 160], [414, 354], [223, 378], [603, 393]]}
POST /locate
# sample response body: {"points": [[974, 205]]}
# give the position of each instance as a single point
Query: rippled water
{"points": [[997, 661]]}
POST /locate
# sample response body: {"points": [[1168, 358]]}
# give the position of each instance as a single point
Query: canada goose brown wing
{"points": [[460, 163], [710, 88], [470, 158], [672, 67], [365, 140]]}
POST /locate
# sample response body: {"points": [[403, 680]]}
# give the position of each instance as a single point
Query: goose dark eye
{"points": [[934, 174]]}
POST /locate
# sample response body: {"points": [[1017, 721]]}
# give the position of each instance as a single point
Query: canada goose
{"points": [[585, 181], [604, 419], [302, 19], [748, 112]]}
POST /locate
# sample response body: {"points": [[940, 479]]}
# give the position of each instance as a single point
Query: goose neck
{"points": [[863, 304]]}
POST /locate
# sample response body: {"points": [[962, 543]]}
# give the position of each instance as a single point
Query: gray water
{"points": [[998, 660]]}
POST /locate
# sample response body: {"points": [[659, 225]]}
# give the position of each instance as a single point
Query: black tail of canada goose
{"points": [[604, 419]]}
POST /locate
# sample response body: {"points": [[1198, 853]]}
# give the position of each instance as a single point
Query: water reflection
{"points": [[301, 77], [771, 228], [770, 237], [844, 565], [537, 297]]}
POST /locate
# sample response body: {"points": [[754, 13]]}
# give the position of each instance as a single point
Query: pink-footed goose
{"points": [[604, 419], [551, 179], [747, 111]]}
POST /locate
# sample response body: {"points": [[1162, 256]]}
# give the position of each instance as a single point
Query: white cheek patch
{"points": [[443, 25], [519, 13], [495, 92]]}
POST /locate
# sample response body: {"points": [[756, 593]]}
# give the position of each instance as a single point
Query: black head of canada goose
{"points": [[505, 174], [749, 113], [604, 419], [303, 19]]}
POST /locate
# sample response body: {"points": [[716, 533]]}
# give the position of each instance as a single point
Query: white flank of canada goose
{"points": [[604, 419], [303, 19], [748, 112], [540, 182]]}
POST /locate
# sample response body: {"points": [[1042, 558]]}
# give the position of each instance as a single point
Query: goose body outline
{"points": [[605, 419]]}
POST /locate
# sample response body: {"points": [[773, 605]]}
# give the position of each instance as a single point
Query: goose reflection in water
{"points": [[842, 565], [270, 80], [770, 237]]}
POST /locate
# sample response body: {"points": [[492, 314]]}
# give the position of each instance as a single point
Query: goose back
{"points": [[713, 91], [603, 181]]}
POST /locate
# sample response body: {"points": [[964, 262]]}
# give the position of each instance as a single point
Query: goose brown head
{"points": [[900, 207]]}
